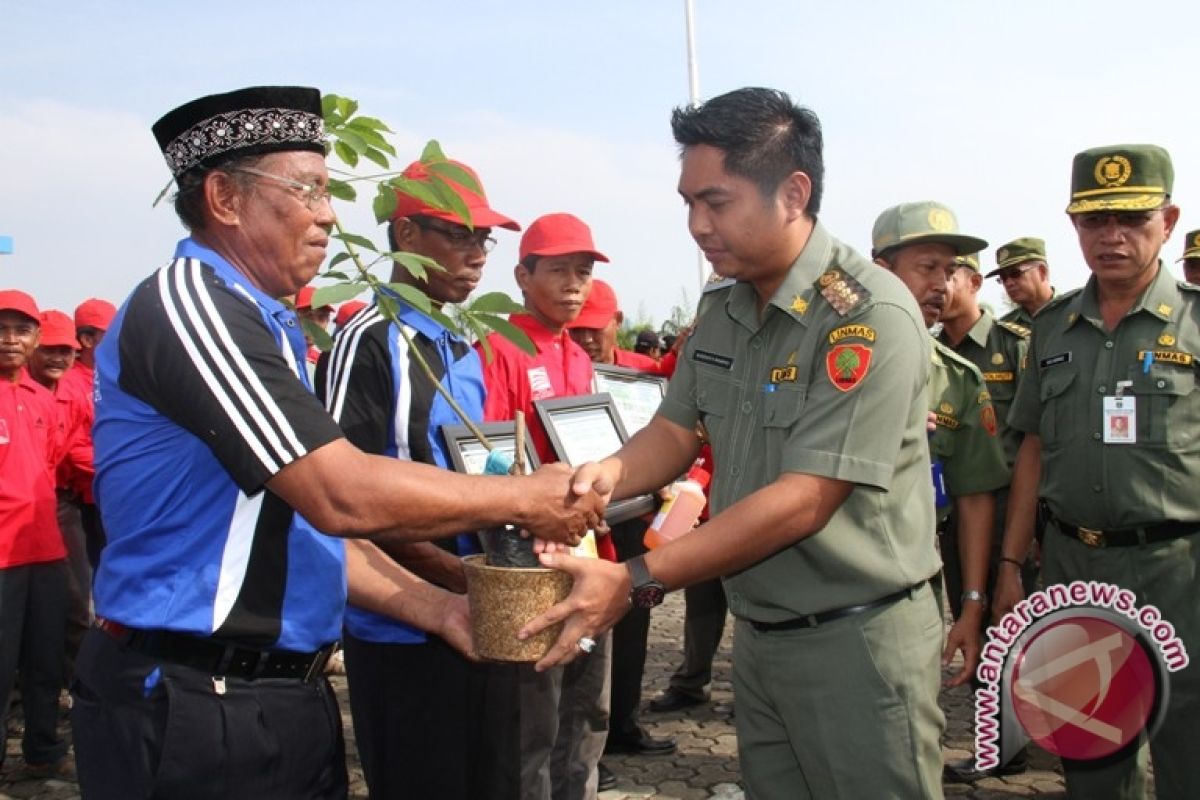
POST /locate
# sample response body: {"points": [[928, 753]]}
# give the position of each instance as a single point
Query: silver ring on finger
{"points": [[586, 643]]}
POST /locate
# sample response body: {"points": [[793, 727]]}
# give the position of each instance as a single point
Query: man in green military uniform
{"points": [[1191, 257], [997, 349], [1119, 478], [1022, 270], [920, 243], [808, 369]]}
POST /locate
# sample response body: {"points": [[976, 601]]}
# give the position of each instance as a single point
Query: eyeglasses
{"points": [[1125, 219], [459, 238], [310, 194], [1012, 273]]}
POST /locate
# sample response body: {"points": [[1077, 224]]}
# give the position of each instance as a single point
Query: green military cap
{"points": [[926, 222], [1191, 245], [1120, 177], [971, 260], [1018, 251]]}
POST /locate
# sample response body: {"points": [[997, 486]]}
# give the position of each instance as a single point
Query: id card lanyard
{"points": [[1120, 416]]}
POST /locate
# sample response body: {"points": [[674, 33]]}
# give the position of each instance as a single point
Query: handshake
{"points": [[558, 505]]}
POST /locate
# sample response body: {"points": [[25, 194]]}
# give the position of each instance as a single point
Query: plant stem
{"points": [[412, 349]]}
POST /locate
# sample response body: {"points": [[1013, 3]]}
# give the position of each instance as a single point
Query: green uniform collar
{"points": [[795, 293], [1161, 299], [979, 331]]}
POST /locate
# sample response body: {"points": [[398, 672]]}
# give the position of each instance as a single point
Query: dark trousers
{"points": [[703, 627], [93, 527], [33, 613], [79, 575], [429, 723], [628, 643], [146, 728]]}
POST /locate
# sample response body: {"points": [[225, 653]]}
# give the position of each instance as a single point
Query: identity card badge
{"points": [[1120, 416]]}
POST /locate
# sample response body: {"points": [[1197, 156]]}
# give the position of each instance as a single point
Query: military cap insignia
{"points": [[1164, 309], [988, 418], [1112, 171], [841, 291], [847, 365], [941, 220], [997, 358], [1166, 340], [799, 304]]}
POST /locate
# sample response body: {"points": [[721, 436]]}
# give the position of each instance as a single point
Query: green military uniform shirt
{"points": [[997, 349], [1073, 364], [1022, 317], [831, 381], [965, 438]]}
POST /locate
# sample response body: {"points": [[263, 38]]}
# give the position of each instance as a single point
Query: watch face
{"points": [[648, 595]]}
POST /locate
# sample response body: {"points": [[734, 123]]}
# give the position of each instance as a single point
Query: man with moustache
{"points": [[1022, 270]]}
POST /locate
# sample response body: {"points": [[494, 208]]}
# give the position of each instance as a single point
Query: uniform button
{"points": [[1161, 384], [1096, 435], [1108, 345], [1097, 489], [756, 343], [735, 470], [1101, 389], [747, 407]]}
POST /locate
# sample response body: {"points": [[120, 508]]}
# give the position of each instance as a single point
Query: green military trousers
{"points": [[844, 710]]}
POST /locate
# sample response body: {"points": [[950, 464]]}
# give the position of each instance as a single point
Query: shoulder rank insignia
{"points": [[1164, 309], [842, 291], [1013, 327]]}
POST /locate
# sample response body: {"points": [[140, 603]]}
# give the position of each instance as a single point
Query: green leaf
{"points": [[334, 274], [442, 319], [413, 296], [451, 171], [339, 258], [373, 154], [387, 306], [354, 238], [432, 152], [342, 190], [450, 200], [480, 334], [337, 293], [418, 189], [415, 264], [384, 204], [345, 152], [370, 122], [495, 303], [328, 105], [371, 137], [353, 139], [346, 107], [320, 337], [506, 329]]}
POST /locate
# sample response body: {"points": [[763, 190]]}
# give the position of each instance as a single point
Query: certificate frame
{"points": [[467, 453], [557, 416], [630, 390]]}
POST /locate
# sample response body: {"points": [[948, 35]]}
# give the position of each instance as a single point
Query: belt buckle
{"points": [[1090, 537], [320, 659]]}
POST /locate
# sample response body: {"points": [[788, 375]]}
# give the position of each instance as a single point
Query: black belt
{"points": [[813, 620], [1127, 537], [219, 658]]}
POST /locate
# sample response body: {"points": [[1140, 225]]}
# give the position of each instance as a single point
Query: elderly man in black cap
{"points": [[219, 597]]}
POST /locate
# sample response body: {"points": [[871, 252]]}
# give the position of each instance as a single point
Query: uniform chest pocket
{"points": [[715, 400], [1168, 410], [1059, 419], [782, 409]]}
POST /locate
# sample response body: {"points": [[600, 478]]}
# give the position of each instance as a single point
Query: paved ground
{"points": [[706, 764]]}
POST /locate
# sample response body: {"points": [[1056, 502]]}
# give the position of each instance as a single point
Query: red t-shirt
{"points": [[643, 363], [514, 379], [30, 448], [76, 399]]}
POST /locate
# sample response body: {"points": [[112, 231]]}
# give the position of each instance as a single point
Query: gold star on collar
{"points": [[799, 304]]}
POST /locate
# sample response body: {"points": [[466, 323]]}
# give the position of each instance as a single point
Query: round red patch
{"points": [[1083, 688], [988, 417], [847, 365]]}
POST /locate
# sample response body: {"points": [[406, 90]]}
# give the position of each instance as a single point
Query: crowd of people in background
{"points": [[218, 418]]}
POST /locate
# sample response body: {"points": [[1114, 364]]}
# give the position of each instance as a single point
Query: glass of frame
{"points": [[637, 395], [467, 453]]}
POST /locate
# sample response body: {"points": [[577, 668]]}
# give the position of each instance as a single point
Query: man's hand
{"points": [[455, 627], [964, 636], [1009, 590], [599, 598], [554, 511]]}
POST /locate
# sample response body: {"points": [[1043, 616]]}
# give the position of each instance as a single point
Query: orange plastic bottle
{"points": [[680, 510]]}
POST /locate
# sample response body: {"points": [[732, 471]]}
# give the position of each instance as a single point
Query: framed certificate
{"points": [[637, 395], [589, 428], [467, 453]]}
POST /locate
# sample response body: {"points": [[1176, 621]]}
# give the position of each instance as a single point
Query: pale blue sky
{"points": [[564, 106]]}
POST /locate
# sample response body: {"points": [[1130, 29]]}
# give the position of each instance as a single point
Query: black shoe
{"points": [[672, 699], [607, 779], [965, 771], [640, 744]]}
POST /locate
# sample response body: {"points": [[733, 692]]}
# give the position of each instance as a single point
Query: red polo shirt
{"points": [[75, 395], [514, 379], [29, 451]]}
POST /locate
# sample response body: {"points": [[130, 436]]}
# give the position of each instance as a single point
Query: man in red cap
{"points": [[318, 316], [412, 693], [32, 575], [347, 310], [564, 712], [50, 361]]}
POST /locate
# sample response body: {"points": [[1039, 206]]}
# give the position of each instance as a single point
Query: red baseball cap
{"points": [[559, 235], [58, 330], [304, 298], [482, 214], [599, 308], [347, 310], [94, 313], [16, 300]]}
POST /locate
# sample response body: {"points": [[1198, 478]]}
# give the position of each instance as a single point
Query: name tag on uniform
{"points": [[1120, 420]]}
